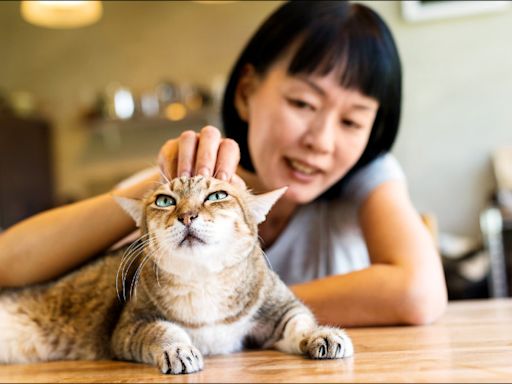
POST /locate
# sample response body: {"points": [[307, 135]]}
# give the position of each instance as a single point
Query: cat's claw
{"points": [[328, 343], [178, 358]]}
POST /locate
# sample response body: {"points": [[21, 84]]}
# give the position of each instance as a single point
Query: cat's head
{"points": [[199, 222]]}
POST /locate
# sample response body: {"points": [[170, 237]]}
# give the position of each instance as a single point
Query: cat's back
{"points": [[70, 318]]}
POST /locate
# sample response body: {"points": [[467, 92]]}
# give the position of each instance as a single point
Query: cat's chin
{"points": [[187, 269], [195, 257]]}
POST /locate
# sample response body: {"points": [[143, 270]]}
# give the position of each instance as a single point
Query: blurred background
{"points": [[87, 100]]}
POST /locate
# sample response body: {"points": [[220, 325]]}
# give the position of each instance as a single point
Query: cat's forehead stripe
{"points": [[186, 186]]}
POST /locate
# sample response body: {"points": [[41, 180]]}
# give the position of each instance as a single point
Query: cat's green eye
{"points": [[164, 201], [219, 195]]}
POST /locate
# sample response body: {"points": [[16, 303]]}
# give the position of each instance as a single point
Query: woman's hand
{"points": [[205, 153]]}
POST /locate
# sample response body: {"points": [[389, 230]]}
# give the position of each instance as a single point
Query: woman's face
{"points": [[305, 132]]}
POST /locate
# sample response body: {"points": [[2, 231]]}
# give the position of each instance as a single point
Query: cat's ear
{"points": [[260, 205], [131, 206]]}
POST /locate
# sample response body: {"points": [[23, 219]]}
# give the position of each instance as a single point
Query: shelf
{"points": [[123, 139], [115, 149]]}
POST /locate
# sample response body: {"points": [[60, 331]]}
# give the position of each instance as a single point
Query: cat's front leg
{"points": [[156, 342], [327, 343], [177, 358], [301, 335]]}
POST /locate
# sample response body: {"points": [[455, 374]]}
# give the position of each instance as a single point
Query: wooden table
{"points": [[471, 343]]}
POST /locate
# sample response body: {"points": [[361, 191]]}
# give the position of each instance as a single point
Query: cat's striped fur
{"points": [[196, 283]]}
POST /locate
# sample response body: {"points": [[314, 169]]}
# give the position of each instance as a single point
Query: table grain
{"points": [[472, 342]]}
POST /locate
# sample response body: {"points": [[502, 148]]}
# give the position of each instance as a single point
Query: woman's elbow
{"points": [[423, 305]]}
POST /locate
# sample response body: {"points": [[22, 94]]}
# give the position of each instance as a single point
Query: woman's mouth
{"points": [[302, 169]]}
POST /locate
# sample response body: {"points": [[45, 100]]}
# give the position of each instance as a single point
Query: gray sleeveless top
{"points": [[324, 237]]}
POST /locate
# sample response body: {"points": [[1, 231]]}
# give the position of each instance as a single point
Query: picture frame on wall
{"points": [[423, 10]]}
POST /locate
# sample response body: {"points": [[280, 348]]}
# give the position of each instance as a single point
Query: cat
{"points": [[195, 283]]}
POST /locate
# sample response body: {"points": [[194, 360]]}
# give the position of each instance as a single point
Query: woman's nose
{"points": [[320, 136]]}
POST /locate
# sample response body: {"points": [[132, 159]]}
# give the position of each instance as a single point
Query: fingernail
{"points": [[222, 176], [203, 171], [185, 174]]}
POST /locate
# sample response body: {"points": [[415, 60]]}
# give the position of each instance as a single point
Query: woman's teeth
{"points": [[301, 167]]}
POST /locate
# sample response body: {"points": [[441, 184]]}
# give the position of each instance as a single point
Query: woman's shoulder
{"points": [[382, 169]]}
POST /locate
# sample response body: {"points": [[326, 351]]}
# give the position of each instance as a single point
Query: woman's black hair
{"points": [[333, 35]]}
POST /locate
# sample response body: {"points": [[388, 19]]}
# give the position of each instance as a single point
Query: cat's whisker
{"points": [[156, 262], [169, 239], [157, 254], [135, 244], [135, 248], [132, 252], [133, 278], [267, 260], [164, 176], [150, 241], [158, 183], [137, 275], [130, 255], [152, 164]]}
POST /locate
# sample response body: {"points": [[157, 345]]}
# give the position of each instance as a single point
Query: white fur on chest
{"points": [[220, 339], [200, 302], [196, 307], [202, 305]]}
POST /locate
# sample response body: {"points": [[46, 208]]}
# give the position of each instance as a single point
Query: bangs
{"points": [[349, 49], [347, 39]]}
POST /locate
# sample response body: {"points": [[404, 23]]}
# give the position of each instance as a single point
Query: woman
{"points": [[313, 103]]}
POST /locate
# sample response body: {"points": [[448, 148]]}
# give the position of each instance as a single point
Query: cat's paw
{"points": [[327, 343], [180, 358]]}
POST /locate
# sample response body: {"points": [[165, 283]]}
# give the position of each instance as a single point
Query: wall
{"points": [[457, 83], [457, 91]]}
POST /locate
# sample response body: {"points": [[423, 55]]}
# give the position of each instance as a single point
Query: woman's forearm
{"points": [[46, 245], [379, 295], [53, 242]]}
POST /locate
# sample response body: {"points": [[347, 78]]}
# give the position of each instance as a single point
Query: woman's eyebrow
{"points": [[318, 89]]}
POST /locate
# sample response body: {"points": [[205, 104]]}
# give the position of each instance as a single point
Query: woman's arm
{"points": [[405, 282], [53, 242]]}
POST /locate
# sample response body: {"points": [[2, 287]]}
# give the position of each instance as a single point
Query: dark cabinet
{"points": [[26, 170]]}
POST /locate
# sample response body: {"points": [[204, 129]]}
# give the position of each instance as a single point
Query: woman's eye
{"points": [[298, 103], [164, 201], [219, 195], [350, 123]]}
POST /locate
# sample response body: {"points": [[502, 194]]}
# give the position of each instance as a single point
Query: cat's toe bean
{"points": [[178, 358], [329, 343]]}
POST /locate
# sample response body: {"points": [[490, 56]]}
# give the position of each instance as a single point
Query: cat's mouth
{"points": [[190, 239]]}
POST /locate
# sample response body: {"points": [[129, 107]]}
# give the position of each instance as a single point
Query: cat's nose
{"points": [[187, 217]]}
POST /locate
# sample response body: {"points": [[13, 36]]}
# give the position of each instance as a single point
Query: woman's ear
{"points": [[247, 83]]}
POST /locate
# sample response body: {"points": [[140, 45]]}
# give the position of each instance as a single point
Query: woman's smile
{"points": [[301, 171]]}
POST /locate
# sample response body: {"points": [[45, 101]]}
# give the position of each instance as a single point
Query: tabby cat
{"points": [[195, 283]]}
